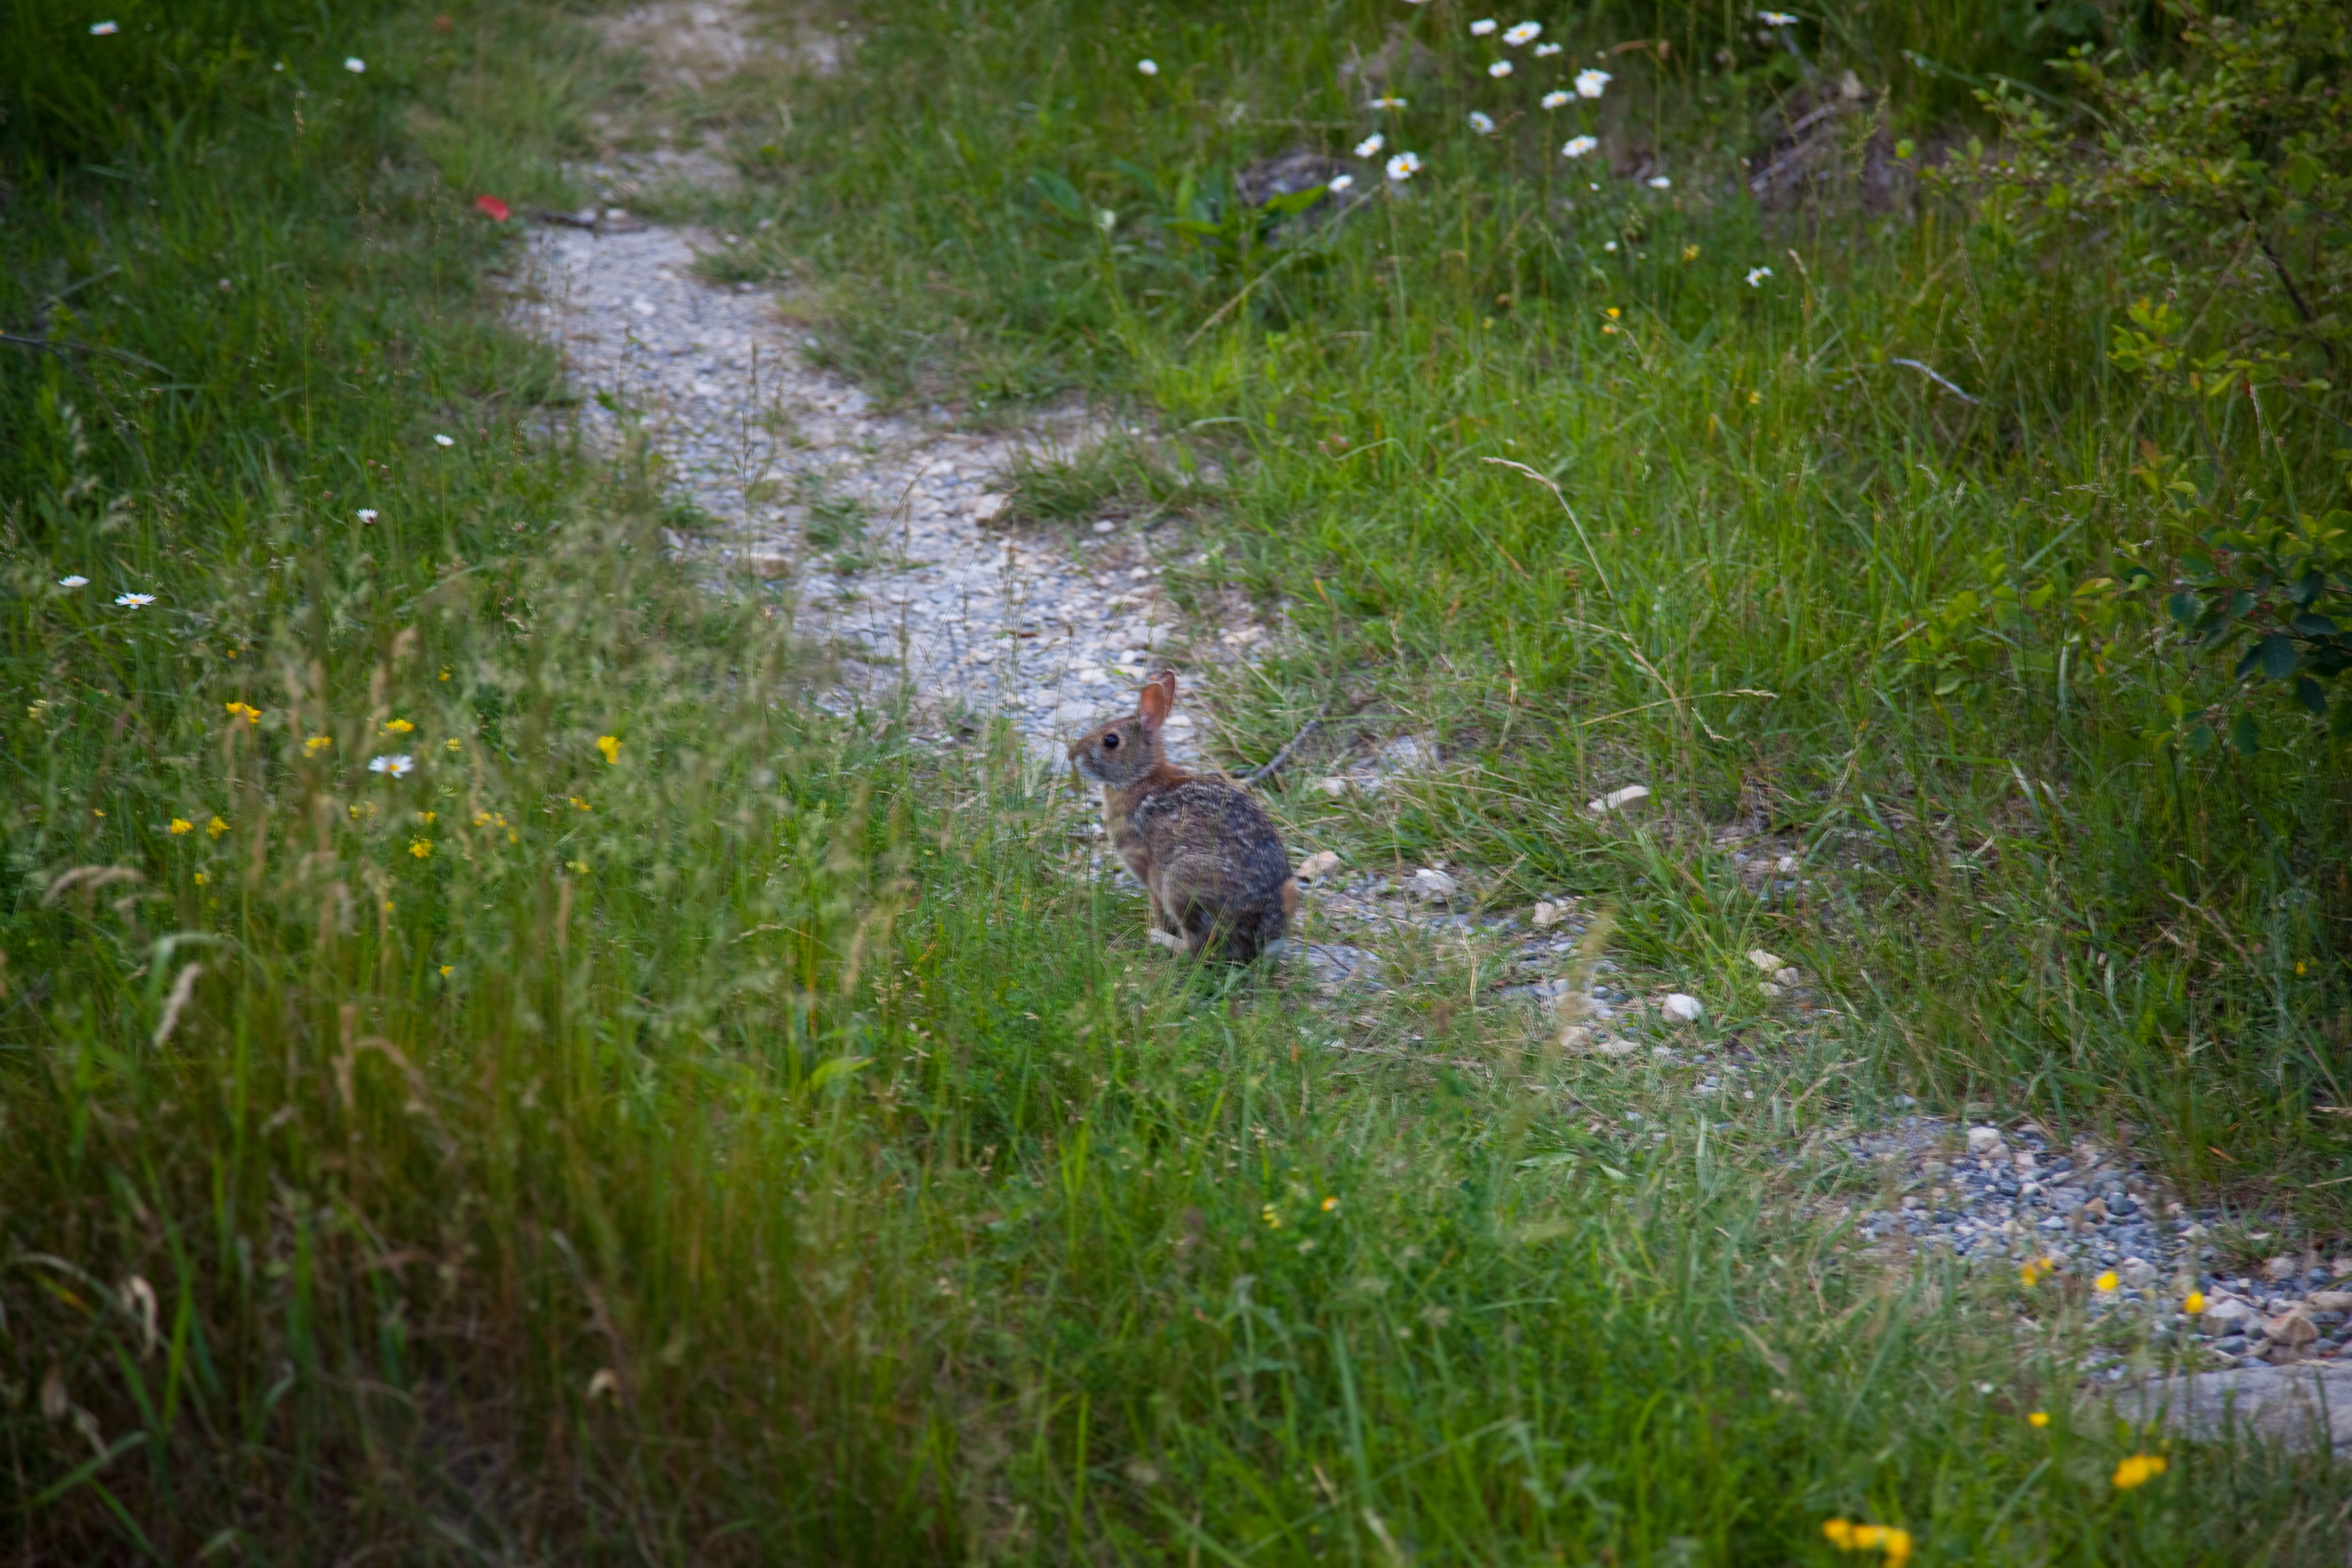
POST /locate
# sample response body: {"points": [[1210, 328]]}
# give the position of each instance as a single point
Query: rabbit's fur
{"points": [[1206, 851]]}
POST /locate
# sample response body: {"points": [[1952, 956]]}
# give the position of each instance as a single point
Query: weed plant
{"points": [[488, 1070]]}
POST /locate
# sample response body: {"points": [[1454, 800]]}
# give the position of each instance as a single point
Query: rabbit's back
{"points": [[1217, 863]]}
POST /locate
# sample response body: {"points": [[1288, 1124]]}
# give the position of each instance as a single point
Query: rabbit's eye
{"points": [[1110, 743]]}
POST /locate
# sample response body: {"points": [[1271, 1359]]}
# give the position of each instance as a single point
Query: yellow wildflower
{"points": [[452, 742], [1755, 397], [420, 847], [203, 877], [445, 675], [181, 825], [317, 744], [611, 746], [2029, 1275], [445, 968], [579, 866], [429, 816], [2039, 1418], [578, 804], [240, 710], [1898, 1547], [398, 727], [216, 827], [1840, 1533], [2193, 1303], [1614, 313], [2137, 1470], [1690, 253], [2107, 1282], [1330, 1203], [1273, 1220]]}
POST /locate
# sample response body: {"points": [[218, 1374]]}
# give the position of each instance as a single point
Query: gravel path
{"points": [[881, 524], [879, 520]]}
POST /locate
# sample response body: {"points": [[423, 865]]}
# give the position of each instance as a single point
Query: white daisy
{"points": [[1554, 98], [1776, 18], [1404, 166], [1341, 183], [1371, 145], [1525, 33], [1591, 83], [1149, 68], [1659, 182], [134, 600], [444, 441], [76, 581], [398, 764], [1499, 68], [1608, 245], [354, 65], [1482, 28], [366, 514], [1756, 276], [1546, 51], [1482, 124], [104, 29], [1387, 103], [1577, 146]]}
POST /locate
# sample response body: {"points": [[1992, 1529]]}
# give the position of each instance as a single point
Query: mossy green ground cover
{"points": [[659, 1122]]}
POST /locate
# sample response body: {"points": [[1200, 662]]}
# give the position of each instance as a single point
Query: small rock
{"points": [[1317, 866], [1787, 974], [2137, 1274], [2283, 1270], [1785, 864], [1985, 1142], [1616, 1047], [1618, 800], [1769, 989], [985, 507], [2330, 1301], [768, 566], [1105, 526], [2290, 1328], [1334, 786], [1432, 885], [1682, 1009], [2226, 1315], [1549, 914], [1766, 962]]}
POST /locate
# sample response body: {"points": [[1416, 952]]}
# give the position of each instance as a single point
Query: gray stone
{"points": [[2300, 1405]]}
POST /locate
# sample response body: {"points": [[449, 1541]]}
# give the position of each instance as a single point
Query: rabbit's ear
{"points": [[1158, 696]]}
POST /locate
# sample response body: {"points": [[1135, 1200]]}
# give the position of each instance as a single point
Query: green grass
{"points": [[754, 1141]]}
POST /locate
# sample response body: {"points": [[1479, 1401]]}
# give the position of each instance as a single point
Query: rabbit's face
{"points": [[1119, 753]]}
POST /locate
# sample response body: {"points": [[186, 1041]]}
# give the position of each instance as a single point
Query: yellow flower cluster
{"points": [[611, 746], [2194, 1304], [1847, 1536], [240, 710], [2138, 1471], [2105, 1282], [317, 744], [1273, 1220], [216, 827], [398, 727], [420, 847], [181, 825], [2035, 1268]]}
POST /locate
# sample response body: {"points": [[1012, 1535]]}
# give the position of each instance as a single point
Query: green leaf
{"points": [[2245, 735], [2201, 740], [2278, 655], [2185, 608], [1059, 192], [2302, 171], [2308, 693], [2313, 626]]}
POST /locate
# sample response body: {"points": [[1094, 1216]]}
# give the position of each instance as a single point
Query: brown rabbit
{"points": [[1208, 854]]}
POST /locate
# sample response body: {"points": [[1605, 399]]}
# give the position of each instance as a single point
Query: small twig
{"points": [[61, 346], [1282, 755], [1546, 480], [1247, 289], [1939, 381]]}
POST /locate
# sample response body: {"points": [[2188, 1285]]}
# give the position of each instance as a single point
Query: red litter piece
{"points": [[492, 205]]}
